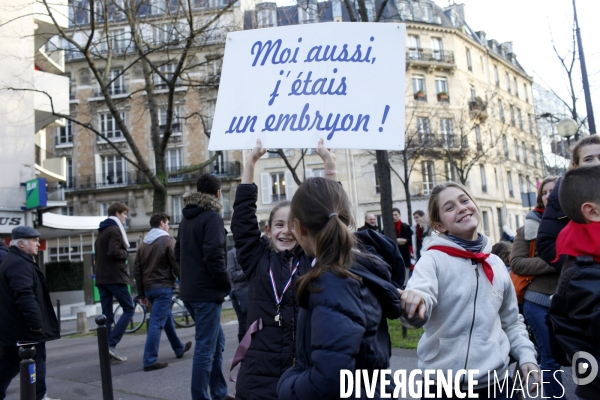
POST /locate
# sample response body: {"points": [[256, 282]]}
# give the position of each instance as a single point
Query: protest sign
{"points": [[292, 85]]}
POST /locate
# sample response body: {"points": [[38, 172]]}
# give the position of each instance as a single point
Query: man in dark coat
{"points": [[370, 223], [200, 251], [404, 236], [26, 313], [3, 250], [111, 274]]}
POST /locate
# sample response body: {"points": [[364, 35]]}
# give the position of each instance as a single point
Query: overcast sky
{"points": [[530, 25]]}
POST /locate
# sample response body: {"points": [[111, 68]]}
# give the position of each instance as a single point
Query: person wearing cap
{"points": [[26, 313]]}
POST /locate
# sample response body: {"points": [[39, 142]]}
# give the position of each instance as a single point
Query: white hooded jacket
{"points": [[470, 323]]}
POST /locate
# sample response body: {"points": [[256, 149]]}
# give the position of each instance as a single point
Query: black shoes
{"points": [[155, 367], [187, 347]]}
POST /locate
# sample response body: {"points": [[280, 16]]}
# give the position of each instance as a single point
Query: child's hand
{"points": [[412, 302], [531, 375], [326, 155], [257, 152]]}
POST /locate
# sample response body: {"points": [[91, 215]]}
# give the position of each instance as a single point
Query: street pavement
{"points": [[73, 368]]}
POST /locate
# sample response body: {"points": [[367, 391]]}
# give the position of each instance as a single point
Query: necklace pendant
{"points": [[278, 319]]}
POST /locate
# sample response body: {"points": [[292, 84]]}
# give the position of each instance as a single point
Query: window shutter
{"points": [[98, 166], [308, 173], [265, 187], [290, 185]]}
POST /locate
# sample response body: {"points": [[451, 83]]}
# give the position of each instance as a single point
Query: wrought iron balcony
{"points": [[414, 54]]}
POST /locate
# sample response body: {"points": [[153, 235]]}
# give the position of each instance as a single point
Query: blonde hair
{"points": [[433, 208]]}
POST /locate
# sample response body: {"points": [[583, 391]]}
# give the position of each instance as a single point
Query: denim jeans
{"points": [[161, 318], [239, 300], [10, 367], [122, 295], [535, 315], [208, 352]]}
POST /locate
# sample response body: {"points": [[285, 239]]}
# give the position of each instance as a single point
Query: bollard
{"points": [[27, 370], [58, 312], [404, 332], [82, 323], [105, 374]]}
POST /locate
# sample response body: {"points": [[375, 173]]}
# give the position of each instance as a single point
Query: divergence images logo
{"points": [[590, 364]]}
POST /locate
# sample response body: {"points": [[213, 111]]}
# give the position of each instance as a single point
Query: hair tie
{"points": [[333, 215]]}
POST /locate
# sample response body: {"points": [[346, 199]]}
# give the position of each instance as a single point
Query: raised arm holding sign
{"points": [[291, 86]]}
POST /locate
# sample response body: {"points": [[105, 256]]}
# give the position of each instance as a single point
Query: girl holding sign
{"points": [[272, 267]]}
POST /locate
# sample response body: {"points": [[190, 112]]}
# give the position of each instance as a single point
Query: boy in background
{"points": [[574, 316]]}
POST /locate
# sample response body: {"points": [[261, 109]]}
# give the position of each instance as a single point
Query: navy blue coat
{"points": [[344, 327], [553, 221]]}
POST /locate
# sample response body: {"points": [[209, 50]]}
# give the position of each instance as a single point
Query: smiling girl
{"points": [[464, 298], [272, 269]]}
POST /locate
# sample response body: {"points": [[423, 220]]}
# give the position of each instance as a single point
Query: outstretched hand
{"points": [[256, 153], [326, 154]]}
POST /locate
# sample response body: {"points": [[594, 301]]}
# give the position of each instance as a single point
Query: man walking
{"points": [[370, 223], [404, 237], [200, 250], [26, 312], [111, 274], [155, 270]]}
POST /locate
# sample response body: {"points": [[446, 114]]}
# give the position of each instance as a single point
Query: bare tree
{"points": [[168, 44]]}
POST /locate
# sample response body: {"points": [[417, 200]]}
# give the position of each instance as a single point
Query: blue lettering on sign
{"points": [[317, 87], [32, 375], [285, 57]]}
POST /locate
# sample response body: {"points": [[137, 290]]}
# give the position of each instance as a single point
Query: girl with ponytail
{"points": [[346, 297]]}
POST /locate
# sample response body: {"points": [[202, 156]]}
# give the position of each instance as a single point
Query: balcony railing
{"points": [[228, 170], [113, 91], [431, 140], [430, 56]]}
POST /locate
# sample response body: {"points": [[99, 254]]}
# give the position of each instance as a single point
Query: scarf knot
{"points": [[480, 258]]}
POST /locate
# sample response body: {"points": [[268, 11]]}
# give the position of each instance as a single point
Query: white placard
{"points": [[292, 85]]}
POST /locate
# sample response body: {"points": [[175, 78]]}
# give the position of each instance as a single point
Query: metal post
{"points": [[584, 78], [58, 313], [27, 371], [105, 373]]}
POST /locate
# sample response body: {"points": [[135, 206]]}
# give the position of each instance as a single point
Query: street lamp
{"points": [[566, 128]]}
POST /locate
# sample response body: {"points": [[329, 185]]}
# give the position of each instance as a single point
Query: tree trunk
{"points": [[159, 203], [385, 193]]}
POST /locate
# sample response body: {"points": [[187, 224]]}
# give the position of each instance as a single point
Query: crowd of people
{"points": [[313, 297]]}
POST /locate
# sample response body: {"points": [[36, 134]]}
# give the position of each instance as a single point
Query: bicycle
{"points": [[181, 316]]}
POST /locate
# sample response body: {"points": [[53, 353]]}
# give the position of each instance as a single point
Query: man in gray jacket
{"points": [[155, 270]]}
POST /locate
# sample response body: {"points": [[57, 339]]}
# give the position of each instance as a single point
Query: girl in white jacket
{"points": [[464, 298]]}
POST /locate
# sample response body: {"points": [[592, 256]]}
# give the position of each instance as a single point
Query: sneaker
{"points": [[187, 347], [155, 366], [114, 354]]}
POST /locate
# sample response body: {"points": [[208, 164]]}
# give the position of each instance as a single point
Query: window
{"points": [[473, 94], [173, 159], [226, 200], [419, 88], [167, 71], [109, 127], [318, 173], [524, 151], [266, 18], [500, 110], [370, 10], [505, 145], [486, 223], [530, 123], [164, 33], [508, 83], [517, 155], [117, 39], [526, 93], [521, 184], [496, 76], [177, 208], [376, 178], [175, 122], [520, 118], [441, 85], [405, 10], [478, 138], [469, 64], [158, 6], [64, 135], [414, 47], [423, 130], [483, 178], [114, 171], [64, 253], [436, 49], [278, 186], [307, 11], [451, 172], [116, 82], [512, 115], [428, 176], [69, 181], [447, 136], [511, 192], [534, 156], [516, 86]]}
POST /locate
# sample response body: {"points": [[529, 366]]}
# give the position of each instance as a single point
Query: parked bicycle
{"points": [[181, 316]]}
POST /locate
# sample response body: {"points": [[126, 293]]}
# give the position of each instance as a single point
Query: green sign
{"points": [[36, 193]]}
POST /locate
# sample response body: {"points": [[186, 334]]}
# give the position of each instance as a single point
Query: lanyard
{"points": [[278, 298]]}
